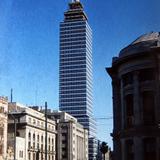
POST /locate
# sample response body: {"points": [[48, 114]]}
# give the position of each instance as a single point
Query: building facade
{"points": [[3, 127], [72, 138], [135, 77], [30, 128], [75, 92]]}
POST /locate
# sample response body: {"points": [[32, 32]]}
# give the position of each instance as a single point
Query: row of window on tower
{"points": [[68, 36]]}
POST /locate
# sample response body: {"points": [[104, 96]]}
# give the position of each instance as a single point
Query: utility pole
{"points": [[45, 130], [15, 130]]}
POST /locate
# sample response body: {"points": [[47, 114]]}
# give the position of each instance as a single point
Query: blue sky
{"points": [[29, 47]]}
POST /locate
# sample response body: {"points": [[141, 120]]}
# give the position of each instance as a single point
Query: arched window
{"points": [[33, 136], [41, 139]]}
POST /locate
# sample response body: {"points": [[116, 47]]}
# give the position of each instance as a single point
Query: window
{"points": [[129, 110], [34, 121], [146, 75], [37, 141], [21, 154], [52, 141], [33, 145], [129, 150], [29, 120], [29, 156], [29, 145], [42, 147], [149, 148], [148, 107], [127, 79], [34, 156], [38, 138], [33, 136], [29, 136], [17, 134], [41, 139]]}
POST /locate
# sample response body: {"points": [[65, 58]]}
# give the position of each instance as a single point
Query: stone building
{"points": [[72, 138], [3, 127], [135, 77], [30, 128]]}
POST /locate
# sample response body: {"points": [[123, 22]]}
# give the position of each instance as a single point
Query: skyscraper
{"points": [[76, 86]]}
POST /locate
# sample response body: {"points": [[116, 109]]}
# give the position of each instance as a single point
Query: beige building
{"points": [[72, 138], [3, 127], [30, 126]]}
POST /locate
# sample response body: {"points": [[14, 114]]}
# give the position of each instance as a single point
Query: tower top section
{"points": [[75, 1], [75, 12]]}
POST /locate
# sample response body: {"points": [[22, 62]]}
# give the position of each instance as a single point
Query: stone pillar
{"points": [[116, 103], [136, 100], [122, 107], [158, 148], [117, 115], [123, 149], [138, 148]]}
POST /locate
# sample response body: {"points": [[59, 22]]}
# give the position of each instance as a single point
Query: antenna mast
{"points": [[11, 95]]}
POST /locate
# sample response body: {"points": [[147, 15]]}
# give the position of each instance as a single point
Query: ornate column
{"points": [[138, 148], [116, 103], [123, 147], [122, 106], [116, 115]]}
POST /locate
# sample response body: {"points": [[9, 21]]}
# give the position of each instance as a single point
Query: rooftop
{"points": [[152, 36], [143, 43]]}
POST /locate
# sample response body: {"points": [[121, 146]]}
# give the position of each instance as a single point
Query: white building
{"points": [[30, 126], [3, 127], [76, 70], [72, 138]]}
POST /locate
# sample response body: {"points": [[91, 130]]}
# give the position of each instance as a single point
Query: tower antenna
{"points": [[11, 95]]}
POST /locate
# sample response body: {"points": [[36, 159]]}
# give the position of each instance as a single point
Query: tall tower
{"points": [[75, 92]]}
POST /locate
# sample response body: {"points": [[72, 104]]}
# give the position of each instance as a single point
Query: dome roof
{"points": [[148, 37], [145, 42]]}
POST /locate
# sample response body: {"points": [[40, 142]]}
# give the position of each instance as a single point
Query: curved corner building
{"points": [[75, 92], [135, 77]]}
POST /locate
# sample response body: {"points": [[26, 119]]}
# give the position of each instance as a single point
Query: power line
{"points": [[103, 118]]}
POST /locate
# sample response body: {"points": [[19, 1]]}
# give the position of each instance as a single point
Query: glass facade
{"points": [[75, 92]]}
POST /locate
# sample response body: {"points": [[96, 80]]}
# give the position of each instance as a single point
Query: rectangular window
{"points": [[146, 75], [127, 79], [129, 150], [129, 110], [148, 107], [149, 148]]}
